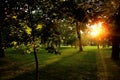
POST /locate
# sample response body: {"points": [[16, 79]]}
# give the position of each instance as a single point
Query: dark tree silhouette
{"points": [[2, 17], [116, 36]]}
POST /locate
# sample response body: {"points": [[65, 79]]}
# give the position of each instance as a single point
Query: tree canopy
{"points": [[44, 14]]}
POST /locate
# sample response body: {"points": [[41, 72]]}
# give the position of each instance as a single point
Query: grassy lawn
{"points": [[90, 64]]}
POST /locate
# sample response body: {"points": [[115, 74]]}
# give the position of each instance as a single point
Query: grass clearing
{"points": [[90, 64]]}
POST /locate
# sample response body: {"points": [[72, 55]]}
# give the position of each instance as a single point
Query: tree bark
{"points": [[2, 53], [2, 16], [33, 40], [116, 37], [115, 48], [36, 60], [79, 36]]}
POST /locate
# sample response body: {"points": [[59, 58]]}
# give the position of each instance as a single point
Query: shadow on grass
{"points": [[112, 66], [71, 67]]}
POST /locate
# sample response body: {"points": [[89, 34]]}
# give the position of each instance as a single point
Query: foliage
{"points": [[50, 36], [45, 14], [67, 31]]}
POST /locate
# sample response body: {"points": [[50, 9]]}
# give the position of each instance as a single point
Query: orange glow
{"points": [[96, 29]]}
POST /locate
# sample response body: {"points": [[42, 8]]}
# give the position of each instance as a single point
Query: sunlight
{"points": [[96, 29]]}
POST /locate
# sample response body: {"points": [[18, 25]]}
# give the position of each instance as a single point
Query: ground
{"points": [[91, 64]]}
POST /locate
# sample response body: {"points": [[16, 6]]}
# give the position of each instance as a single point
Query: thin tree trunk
{"points": [[36, 60], [33, 40], [2, 53], [59, 43], [79, 36], [98, 45]]}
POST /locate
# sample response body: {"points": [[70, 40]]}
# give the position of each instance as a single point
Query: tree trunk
{"points": [[116, 37], [79, 36], [98, 44], [2, 16], [2, 53], [36, 60], [59, 43], [115, 48], [33, 39]]}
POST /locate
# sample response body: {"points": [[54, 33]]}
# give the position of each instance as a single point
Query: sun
{"points": [[94, 33], [96, 29]]}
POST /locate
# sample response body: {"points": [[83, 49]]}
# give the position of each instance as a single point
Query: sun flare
{"points": [[96, 29]]}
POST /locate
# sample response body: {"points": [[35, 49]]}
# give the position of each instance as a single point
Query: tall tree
{"points": [[113, 9], [2, 25], [77, 13], [116, 37]]}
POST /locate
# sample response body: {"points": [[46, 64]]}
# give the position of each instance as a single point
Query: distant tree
{"points": [[50, 36], [67, 30], [77, 13]]}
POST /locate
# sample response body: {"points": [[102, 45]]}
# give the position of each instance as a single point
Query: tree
{"points": [[16, 18], [2, 15], [50, 37], [113, 9], [10, 12], [116, 37], [67, 31], [78, 14]]}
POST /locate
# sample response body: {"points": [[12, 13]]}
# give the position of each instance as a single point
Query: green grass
{"points": [[90, 64]]}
